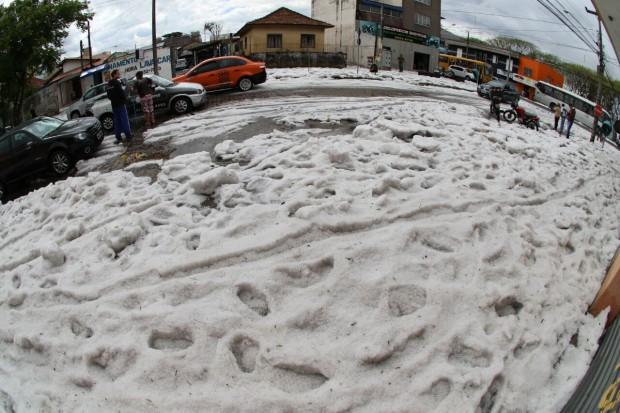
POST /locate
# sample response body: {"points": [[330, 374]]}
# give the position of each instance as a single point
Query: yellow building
{"points": [[281, 31]]}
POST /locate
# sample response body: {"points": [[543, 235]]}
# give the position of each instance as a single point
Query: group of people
{"points": [[143, 87], [562, 116]]}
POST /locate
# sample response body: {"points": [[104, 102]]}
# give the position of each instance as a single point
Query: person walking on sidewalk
{"points": [[563, 114], [144, 89], [571, 119], [557, 113], [118, 98]]}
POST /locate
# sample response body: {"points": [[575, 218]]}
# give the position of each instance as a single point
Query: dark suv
{"points": [[45, 144], [509, 94]]}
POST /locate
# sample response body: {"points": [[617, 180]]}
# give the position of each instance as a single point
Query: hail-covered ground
{"points": [[384, 254]]}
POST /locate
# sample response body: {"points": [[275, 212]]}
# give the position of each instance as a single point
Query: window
{"points": [[274, 41], [422, 20], [43, 126], [20, 139], [307, 41], [377, 10], [528, 72], [207, 67], [91, 93], [231, 63], [427, 2], [5, 146]]}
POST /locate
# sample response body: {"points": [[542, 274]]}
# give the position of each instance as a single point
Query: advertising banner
{"points": [[404, 35], [129, 65]]}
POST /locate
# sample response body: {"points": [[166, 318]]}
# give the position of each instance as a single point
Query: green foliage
{"points": [[584, 82], [31, 36], [514, 45]]}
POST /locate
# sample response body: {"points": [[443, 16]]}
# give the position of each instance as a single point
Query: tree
{"points": [[31, 36], [514, 45], [214, 28]]}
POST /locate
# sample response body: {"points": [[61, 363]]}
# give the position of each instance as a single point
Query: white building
{"points": [[382, 31]]}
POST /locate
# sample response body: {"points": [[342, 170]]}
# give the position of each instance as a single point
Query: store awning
{"points": [[93, 70]]}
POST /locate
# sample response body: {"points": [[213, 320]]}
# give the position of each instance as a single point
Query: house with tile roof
{"points": [[283, 30]]}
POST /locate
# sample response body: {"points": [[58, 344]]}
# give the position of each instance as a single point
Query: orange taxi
{"points": [[227, 72]]}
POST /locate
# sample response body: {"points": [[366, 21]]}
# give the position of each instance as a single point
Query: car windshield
{"points": [[43, 126], [160, 81]]}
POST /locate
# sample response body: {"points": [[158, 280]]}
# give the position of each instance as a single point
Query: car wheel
{"points": [[532, 125], [181, 105], [450, 74], [245, 84], [107, 121], [75, 114], [60, 162], [510, 116]]}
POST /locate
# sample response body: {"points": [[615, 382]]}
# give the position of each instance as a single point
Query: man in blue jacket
{"points": [[118, 98]]}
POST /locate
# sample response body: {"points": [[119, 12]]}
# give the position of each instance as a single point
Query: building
{"points": [[540, 71], [65, 85], [532, 71], [284, 30], [503, 61], [381, 31]]}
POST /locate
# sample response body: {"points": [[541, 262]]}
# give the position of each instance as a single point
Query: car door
{"points": [[7, 163], [29, 152], [206, 74], [235, 69]]}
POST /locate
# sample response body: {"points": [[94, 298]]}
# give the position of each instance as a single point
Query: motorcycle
{"points": [[530, 120]]}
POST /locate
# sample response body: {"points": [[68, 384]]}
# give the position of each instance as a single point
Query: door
{"points": [[206, 74], [29, 152], [387, 58], [421, 61], [6, 157], [230, 72]]}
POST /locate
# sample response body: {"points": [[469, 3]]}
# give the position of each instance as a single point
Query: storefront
{"points": [[419, 51]]}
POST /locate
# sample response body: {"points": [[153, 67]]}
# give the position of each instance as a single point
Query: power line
{"points": [[502, 15]]}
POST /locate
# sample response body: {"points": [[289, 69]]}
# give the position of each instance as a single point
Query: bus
{"points": [[485, 70], [550, 95]]}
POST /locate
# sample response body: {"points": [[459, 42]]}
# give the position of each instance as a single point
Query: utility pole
{"points": [[377, 38], [90, 46], [154, 35], [81, 53], [467, 47], [600, 70]]}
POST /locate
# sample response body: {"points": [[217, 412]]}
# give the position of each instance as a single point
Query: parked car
{"points": [[510, 94], [226, 73], [45, 144], [178, 98], [457, 72], [83, 105]]}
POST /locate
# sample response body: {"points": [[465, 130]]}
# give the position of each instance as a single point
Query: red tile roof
{"points": [[284, 16]]}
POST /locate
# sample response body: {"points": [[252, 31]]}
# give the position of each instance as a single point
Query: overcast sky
{"points": [[119, 24]]}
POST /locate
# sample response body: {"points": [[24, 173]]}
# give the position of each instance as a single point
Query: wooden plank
{"points": [[609, 294]]}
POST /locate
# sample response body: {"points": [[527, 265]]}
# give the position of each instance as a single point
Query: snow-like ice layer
{"points": [[426, 262]]}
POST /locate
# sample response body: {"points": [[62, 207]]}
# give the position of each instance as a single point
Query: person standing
{"points": [[401, 63], [571, 119], [563, 114], [144, 89], [557, 113], [118, 98], [496, 99]]}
